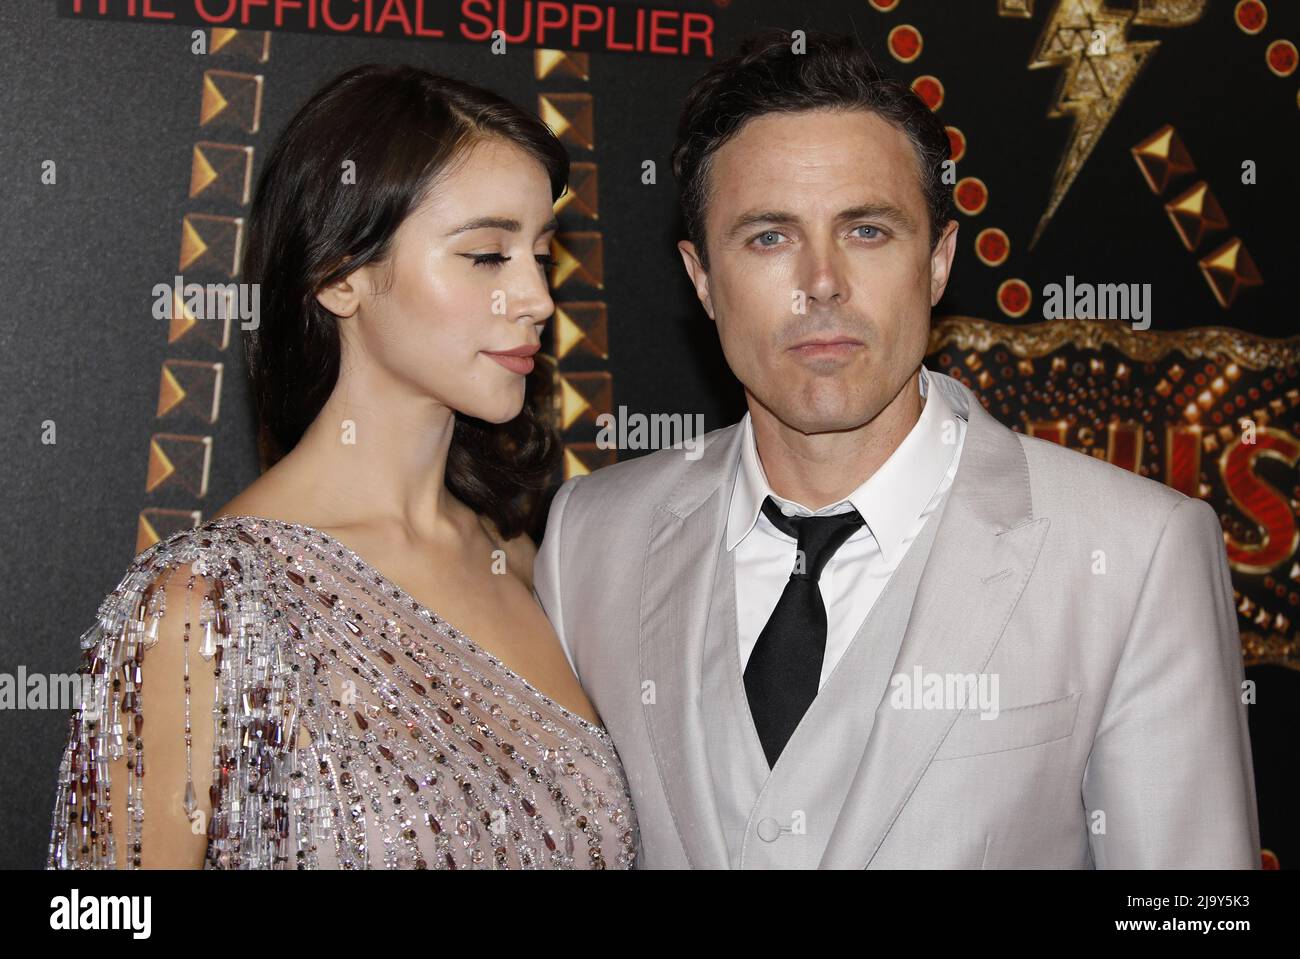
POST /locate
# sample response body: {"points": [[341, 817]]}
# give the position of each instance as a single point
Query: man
{"points": [[870, 625]]}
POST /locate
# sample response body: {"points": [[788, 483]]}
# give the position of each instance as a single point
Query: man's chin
{"points": [[812, 421]]}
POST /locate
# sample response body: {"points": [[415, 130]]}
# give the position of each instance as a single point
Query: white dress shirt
{"points": [[894, 501]]}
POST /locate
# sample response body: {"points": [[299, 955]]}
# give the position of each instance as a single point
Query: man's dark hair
{"points": [[767, 76]]}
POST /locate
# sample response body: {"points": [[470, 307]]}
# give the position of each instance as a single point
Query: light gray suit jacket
{"points": [[1100, 598]]}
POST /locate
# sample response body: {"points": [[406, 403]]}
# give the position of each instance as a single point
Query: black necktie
{"points": [[784, 670]]}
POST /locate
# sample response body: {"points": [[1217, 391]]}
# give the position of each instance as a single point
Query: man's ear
{"points": [[343, 296], [941, 261], [699, 276]]}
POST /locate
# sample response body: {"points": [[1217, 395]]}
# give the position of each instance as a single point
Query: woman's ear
{"points": [[343, 296]]}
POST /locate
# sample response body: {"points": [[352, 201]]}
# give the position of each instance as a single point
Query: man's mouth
{"points": [[827, 346]]}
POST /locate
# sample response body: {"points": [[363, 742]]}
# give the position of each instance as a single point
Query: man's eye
{"points": [[488, 259], [875, 228], [763, 237]]}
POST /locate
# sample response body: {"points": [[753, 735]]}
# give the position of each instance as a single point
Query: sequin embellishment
{"points": [[419, 749]]}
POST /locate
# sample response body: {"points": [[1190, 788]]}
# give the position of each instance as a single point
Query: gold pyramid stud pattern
{"points": [[568, 63], [1162, 157], [570, 117], [1229, 270], [1196, 214], [176, 460]]}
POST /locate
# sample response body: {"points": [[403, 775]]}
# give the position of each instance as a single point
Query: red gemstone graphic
{"points": [[970, 195], [930, 90], [1014, 297], [905, 42], [1281, 56], [1251, 15], [956, 143], [992, 246]]}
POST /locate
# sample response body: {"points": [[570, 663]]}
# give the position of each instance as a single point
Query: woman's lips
{"points": [[523, 365]]}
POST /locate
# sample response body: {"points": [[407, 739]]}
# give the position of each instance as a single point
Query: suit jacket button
{"points": [[769, 830]]}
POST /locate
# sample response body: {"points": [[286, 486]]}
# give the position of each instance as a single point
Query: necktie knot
{"points": [[818, 537]]}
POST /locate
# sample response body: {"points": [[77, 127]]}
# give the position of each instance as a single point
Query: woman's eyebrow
{"points": [[488, 222], [502, 223]]}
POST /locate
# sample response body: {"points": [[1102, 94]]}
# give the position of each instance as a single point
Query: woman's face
{"points": [[465, 279]]}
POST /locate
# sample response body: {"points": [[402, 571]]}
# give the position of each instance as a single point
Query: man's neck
{"points": [[818, 469]]}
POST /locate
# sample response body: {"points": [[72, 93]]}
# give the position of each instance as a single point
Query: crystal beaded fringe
{"points": [[255, 699]]}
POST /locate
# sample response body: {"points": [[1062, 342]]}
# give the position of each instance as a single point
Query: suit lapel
{"points": [[676, 594], [984, 551]]}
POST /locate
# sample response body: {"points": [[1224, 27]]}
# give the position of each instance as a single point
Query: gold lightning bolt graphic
{"points": [[1090, 41]]}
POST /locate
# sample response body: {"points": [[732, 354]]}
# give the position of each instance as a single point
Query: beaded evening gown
{"points": [[419, 749]]}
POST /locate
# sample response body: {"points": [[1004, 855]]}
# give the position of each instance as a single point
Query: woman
{"points": [[301, 708]]}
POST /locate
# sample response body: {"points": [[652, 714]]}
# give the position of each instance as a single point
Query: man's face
{"points": [[821, 276]]}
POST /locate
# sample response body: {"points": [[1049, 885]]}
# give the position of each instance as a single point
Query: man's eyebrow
{"points": [[501, 223], [863, 211], [879, 211], [755, 217]]}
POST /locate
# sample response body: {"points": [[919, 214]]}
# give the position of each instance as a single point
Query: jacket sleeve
{"points": [[547, 567], [1169, 783]]}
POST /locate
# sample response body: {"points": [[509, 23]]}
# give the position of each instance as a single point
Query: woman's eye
{"points": [[488, 259], [545, 260]]}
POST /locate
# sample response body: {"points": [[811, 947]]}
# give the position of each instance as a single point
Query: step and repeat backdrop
{"points": [[1126, 181]]}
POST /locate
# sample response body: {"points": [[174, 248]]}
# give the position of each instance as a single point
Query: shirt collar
{"points": [[889, 501]]}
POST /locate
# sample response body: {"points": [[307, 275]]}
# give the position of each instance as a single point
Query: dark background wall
{"points": [[116, 104]]}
